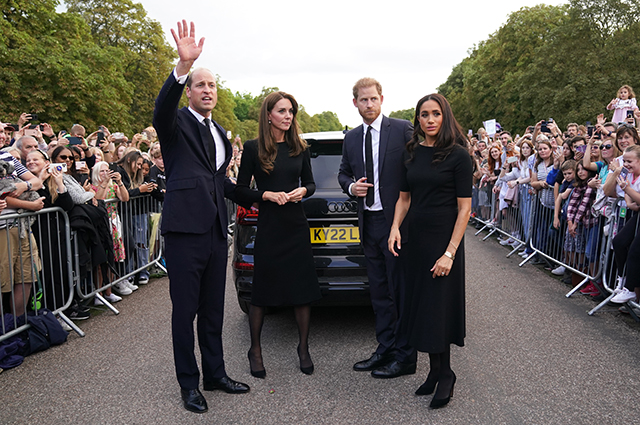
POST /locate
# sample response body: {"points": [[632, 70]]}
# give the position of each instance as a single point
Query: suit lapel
{"points": [[385, 128], [359, 156]]}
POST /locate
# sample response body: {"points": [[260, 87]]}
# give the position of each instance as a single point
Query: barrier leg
{"points": [[71, 324], [107, 303], [577, 287]]}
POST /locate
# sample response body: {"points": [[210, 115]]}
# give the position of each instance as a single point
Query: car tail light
{"points": [[240, 265], [247, 216]]}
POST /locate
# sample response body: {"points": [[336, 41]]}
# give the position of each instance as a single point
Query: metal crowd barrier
{"points": [[509, 217], [36, 243], [526, 223], [50, 259], [611, 275], [139, 224]]}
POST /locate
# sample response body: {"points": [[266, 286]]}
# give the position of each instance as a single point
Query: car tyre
{"points": [[244, 305]]}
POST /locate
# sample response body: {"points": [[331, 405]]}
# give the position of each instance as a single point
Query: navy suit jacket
{"points": [[394, 135], [195, 191]]}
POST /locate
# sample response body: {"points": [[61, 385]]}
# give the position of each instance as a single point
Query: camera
{"points": [[629, 114], [590, 129], [544, 128], [34, 116], [100, 137]]}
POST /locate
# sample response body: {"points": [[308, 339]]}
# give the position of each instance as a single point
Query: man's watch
{"points": [[449, 255]]}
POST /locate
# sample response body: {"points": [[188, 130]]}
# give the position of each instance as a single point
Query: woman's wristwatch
{"points": [[449, 255]]}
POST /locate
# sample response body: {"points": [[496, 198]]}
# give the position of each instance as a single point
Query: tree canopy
{"points": [[103, 62], [565, 62]]}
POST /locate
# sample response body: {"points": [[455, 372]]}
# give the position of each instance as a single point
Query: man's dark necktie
{"points": [[212, 144], [368, 151]]}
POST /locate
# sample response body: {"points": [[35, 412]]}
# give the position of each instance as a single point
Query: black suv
{"points": [[333, 222]]}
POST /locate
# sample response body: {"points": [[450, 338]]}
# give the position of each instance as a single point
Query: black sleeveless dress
{"points": [[284, 272], [434, 316]]}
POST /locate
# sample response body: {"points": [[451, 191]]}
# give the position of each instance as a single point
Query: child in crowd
{"points": [[579, 219], [564, 190], [568, 172], [626, 101]]}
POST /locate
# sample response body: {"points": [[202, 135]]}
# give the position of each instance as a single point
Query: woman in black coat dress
{"points": [[435, 199], [284, 272]]}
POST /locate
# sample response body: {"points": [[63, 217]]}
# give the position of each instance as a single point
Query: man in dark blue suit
{"points": [[194, 220], [370, 170]]}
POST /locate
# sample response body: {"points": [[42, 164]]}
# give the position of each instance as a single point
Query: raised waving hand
{"points": [[188, 50]]}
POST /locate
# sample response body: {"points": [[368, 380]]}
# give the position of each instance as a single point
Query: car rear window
{"points": [[325, 161]]}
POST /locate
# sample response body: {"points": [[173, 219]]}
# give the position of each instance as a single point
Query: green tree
{"points": [[223, 113], [404, 114], [308, 124], [244, 101], [328, 121], [247, 129], [52, 67], [145, 57], [562, 62]]}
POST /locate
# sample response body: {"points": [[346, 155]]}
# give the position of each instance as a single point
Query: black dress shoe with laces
{"points": [[373, 362], [394, 369], [194, 401], [227, 385]]}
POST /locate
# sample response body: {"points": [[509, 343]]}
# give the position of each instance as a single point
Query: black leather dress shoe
{"points": [[227, 385], [394, 369], [194, 401], [373, 362]]}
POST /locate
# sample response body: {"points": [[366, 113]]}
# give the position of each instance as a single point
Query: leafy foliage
{"points": [[103, 62], [404, 114], [563, 62]]}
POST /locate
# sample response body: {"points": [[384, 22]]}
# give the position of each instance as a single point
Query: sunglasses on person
{"points": [[606, 147], [65, 157]]}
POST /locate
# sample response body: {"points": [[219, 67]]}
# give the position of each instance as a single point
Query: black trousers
{"points": [[386, 287], [626, 246], [197, 273]]}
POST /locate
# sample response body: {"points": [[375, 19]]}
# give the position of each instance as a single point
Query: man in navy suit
{"points": [[370, 170], [194, 220]]}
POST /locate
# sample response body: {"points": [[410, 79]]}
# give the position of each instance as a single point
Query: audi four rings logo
{"points": [[342, 206]]}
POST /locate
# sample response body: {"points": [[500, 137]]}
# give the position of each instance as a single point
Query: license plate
{"points": [[335, 235]]}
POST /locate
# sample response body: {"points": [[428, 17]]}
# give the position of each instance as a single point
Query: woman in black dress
{"points": [[284, 272], [435, 198]]}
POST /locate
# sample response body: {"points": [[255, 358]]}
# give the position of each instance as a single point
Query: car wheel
{"points": [[244, 305]]}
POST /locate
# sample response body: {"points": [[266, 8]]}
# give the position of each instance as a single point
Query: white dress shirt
{"points": [[217, 138], [375, 147]]}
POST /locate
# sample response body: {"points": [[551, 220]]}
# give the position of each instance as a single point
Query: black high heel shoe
{"points": [[307, 370], [429, 385], [437, 403], [261, 374]]}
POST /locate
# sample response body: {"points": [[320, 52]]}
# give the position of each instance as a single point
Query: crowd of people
{"points": [[98, 180], [560, 192], [564, 192]]}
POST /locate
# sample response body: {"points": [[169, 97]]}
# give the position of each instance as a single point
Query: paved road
{"points": [[532, 357]]}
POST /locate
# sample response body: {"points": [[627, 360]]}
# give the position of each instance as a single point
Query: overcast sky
{"points": [[316, 51]]}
